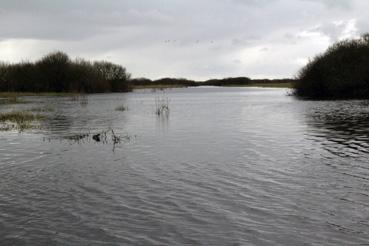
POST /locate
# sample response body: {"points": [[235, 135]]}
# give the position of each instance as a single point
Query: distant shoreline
{"points": [[168, 83], [5, 94], [287, 85]]}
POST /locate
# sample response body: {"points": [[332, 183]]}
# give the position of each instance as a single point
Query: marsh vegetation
{"points": [[19, 120], [161, 106], [121, 108]]}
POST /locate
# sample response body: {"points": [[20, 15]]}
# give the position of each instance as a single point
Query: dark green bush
{"points": [[341, 72], [56, 72]]}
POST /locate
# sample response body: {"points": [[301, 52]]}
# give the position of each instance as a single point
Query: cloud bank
{"points": [[197, 39]]}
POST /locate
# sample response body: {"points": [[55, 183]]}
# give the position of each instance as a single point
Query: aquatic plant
{"points": [[41, 110], [18, 120], [103, 137], [161, 106], [11, 99], [121, 108], [341, 72]]}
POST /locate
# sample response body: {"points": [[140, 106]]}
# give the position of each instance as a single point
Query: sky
{"points": [[195, 39]]}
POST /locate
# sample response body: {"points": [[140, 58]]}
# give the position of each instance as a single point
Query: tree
{"points": [[116, 75], [341, 72], [54, 70]]}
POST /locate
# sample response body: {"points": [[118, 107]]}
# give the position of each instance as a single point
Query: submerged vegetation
{"points": [[41, 110], [56, 72], [108, 137], [18, 120], [162, 106], [11, 100], [105, 137], [121, 108], [340, 73]]}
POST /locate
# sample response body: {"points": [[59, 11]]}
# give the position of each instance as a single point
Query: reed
{"points": [[161, 106], [121, 108], [18, 120]]}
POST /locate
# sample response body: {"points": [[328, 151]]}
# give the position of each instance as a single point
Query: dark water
{"points": [[227, 166]]}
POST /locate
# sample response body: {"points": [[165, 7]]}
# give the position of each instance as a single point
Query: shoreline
{"points": [[287, 85], [10, 94]]}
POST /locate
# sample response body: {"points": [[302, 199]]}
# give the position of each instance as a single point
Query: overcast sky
{"points": [[197, 39]]}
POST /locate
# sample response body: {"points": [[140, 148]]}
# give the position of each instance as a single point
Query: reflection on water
{"points": [[227, 166], [342, 126]]}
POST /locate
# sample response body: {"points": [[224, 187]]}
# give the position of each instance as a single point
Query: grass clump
{"points": [[18, 120], [11, 99], [41, 110], [340, 73]]}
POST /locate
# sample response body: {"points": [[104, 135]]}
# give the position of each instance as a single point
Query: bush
{"points": [[56, 72], [341, 72]]}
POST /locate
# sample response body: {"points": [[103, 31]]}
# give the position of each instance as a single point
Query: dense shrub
{"points": [[56, 72], [341, 72]]}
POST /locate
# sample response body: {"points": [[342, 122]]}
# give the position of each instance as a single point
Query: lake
{"points": [[225, 166]]}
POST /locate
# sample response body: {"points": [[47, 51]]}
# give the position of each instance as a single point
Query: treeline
{"points": [[342, 72], [227, 81], [56, 72], [237, 81], [164, 82]]}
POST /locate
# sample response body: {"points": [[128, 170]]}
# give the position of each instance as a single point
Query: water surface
{"points": [[226, 166]]}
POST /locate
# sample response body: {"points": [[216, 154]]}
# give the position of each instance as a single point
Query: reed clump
{"points": [[18, 120], [41, 110], [121, 108], [161, 106]]}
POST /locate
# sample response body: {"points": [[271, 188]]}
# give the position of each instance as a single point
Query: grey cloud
{"points": [[334, 3], [185, 38]]}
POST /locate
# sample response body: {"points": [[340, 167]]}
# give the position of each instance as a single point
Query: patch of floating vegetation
{"points": [[20, 121], [121, 108], [103, 137], [78, 137]]}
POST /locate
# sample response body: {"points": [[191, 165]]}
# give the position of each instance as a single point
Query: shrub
{"points": [[341, 72], [56, 72]]}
